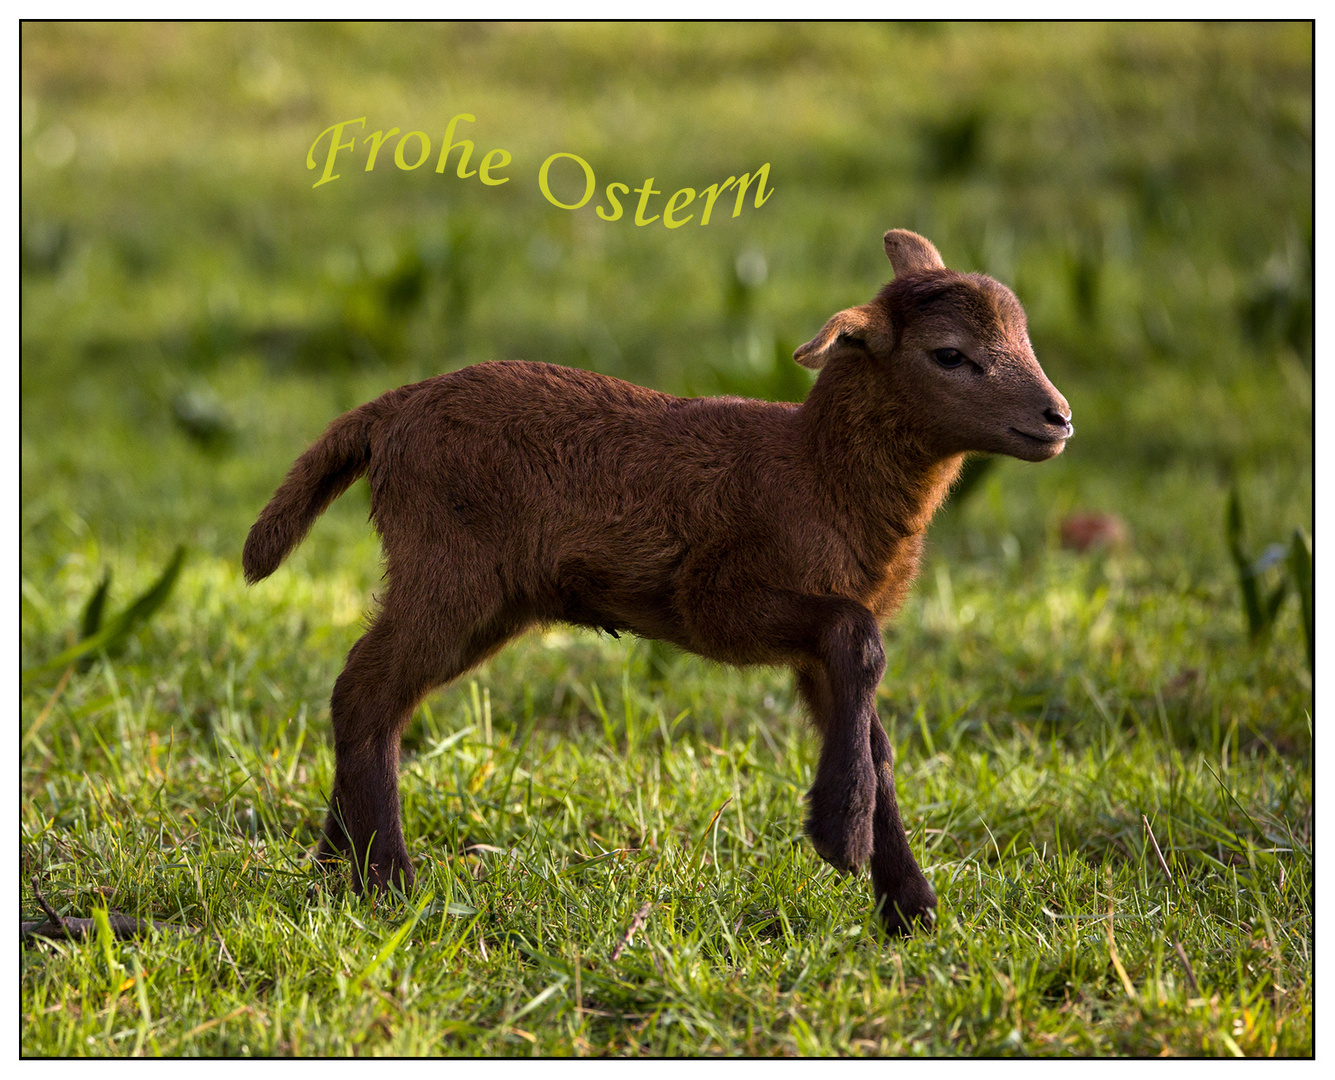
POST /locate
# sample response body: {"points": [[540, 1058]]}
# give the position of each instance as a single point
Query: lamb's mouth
{"points": [[1044, 440], [1030, 447]]}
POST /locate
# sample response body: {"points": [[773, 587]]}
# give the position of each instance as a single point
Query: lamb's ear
{"points": [[850, 325], [910, 253]]}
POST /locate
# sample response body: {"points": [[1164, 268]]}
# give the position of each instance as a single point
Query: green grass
{"points": [[194, 313], [573, 780]]}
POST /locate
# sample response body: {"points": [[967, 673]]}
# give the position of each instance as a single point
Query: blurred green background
{"points": [[194, 311]]}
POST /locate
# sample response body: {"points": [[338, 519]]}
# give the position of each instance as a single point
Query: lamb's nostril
{"points": [[1053, 416]]}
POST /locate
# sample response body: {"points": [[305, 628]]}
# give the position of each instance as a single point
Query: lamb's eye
{"points": [[948, 358]]}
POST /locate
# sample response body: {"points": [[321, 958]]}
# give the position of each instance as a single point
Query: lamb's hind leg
{"points": [[371, 704], [388, 671]]}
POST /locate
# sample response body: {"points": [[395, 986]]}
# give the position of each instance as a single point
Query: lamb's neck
{"points": [[880, 484]]}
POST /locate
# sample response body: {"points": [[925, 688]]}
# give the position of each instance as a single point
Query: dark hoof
{"points": [[913, 910], [385, 874], [839, 815], [378, 873], [843, 842]]}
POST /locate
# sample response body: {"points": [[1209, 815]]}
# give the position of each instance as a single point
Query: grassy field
{"points": [[1107, 775]]}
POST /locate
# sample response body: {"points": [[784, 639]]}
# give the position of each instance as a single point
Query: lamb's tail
{"points": [[315, 480]]}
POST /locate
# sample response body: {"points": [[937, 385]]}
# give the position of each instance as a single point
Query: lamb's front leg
{"points": [[840, 691], [901, 890], [834, 647]]}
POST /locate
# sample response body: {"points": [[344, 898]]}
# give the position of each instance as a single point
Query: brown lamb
{"points": [[513, 494]]}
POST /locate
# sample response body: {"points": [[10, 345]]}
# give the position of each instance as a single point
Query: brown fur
{"points": [[510, 494]]}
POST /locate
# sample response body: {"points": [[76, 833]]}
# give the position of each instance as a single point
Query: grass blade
{"points": [[119, 628], [395, 940]]}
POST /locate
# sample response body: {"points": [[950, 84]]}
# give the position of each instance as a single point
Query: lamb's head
{"points": [[952, 353]]}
